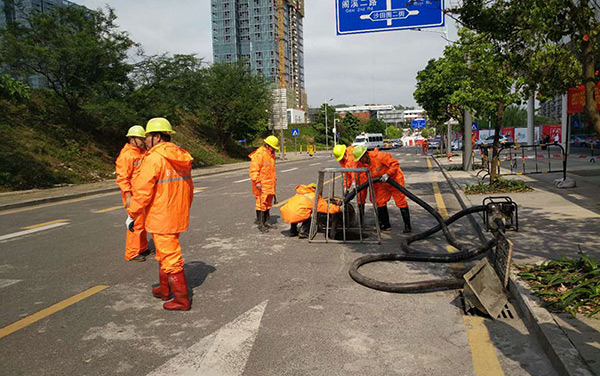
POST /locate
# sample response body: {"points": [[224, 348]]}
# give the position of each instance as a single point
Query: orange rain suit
{"points": [[299, 208], [262, 170], [164, 191], [127, 165], [384, 163], [348, 162], [425, 145]]}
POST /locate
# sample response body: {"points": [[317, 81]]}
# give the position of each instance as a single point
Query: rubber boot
{"points": [[406, 218], [162, 291], [293, 229], [179, 287], [257, 220], [268, 220], [304, 229], [361, 213], [261, 222], [384, 218]]}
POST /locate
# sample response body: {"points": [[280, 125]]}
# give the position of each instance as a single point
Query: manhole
{"points": [[505, 314]]}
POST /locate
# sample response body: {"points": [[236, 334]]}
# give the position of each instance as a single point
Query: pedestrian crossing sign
{"points": [[295, 132]]}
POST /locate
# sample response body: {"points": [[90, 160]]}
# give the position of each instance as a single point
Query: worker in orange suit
{"points": [[385, 167], [299, 209], [164, 190], [343, 154], [128, 161], [264, 181], [425, 146]]}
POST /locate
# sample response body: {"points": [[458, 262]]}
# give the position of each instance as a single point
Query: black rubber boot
{"points": [[257, 220], [261, 222], [304, 229], [268, 220], [406, 219], [293, 229], [384, 218]]}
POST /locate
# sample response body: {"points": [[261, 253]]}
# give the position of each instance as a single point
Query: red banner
{"points": [[553, 132], [576, 99], [509, 132]]}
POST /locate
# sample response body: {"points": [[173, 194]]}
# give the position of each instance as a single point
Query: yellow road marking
{"points": [[485, 360], [284, 201], [483, 352], [44, 224], [49, 311], [28, 208], [199, 189], [108, 209]]}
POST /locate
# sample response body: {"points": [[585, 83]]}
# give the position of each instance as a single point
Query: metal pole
{"points": [[326, 130], [468, 146], [530, 119]]}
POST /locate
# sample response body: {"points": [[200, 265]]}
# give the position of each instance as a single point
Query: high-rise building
{"points": [[268, 36]]}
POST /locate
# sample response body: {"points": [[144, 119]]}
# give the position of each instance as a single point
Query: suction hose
{"points": [[414, 255]]}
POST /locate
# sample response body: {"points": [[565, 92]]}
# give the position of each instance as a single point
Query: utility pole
{"points": [[326, 128]]}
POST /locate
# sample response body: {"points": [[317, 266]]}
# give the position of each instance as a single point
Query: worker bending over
{"points": [[384, 166], [344, 155], [299, 209], [264, 181], [128, 162], [164, 190]]}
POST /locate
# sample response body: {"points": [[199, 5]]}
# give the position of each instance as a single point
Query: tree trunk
{"points": [[495, 157], [589, 77]]}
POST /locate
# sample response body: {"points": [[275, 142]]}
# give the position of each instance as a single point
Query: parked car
{"points": [[503, 140], [435, 143], [457, 144], [397, 143], [369, 140], [387, 144]]}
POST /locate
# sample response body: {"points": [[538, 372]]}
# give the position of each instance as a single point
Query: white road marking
{"points": [[31, 231], [290, 169], [222, 353], [314, 164], [241, 181], [7, 282]]}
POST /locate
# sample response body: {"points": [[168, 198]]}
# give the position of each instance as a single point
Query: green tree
{"points": [[319, 123], [237, 101], [79, 53], [393, 132], [374, 125], [352, 127], [11, 89]]}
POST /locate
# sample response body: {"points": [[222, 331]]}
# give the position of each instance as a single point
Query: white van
{"points": [[369, 140]]}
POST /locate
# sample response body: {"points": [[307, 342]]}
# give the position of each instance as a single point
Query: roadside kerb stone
{"points": [[565, 358], [111, 186]]}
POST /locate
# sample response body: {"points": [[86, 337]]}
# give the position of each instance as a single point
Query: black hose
{"points": [[414, 255]]}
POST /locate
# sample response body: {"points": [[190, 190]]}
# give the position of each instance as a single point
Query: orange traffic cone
{"points": [[450, 157]]}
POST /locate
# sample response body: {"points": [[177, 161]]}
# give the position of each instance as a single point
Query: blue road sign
{"points": [[295, 132], [474, 127], [369, 16], [242, 140], [417, 124]]}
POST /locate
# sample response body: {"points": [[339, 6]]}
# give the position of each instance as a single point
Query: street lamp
{"points": [[335, 121], [326, 130]]}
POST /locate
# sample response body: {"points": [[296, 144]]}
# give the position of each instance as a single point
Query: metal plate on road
{"points": [[369, 16]]}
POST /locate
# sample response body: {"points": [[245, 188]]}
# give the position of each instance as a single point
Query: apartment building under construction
{"points": [[268, 36]]}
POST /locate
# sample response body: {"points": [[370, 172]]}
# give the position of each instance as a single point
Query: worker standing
{"points": [[384, 166], [299, 209], [164, 190], [128, 161], [344, 155], [264, 181], [425, 146]]}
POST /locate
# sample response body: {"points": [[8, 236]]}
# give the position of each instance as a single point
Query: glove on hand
{"points": [[129, 223], [384, 177]]}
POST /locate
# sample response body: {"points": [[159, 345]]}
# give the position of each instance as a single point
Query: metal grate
{"points": [[505, 314]]}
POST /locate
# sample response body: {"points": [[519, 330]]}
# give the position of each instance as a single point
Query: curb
{"points": [[64, 197], [563, 355]]}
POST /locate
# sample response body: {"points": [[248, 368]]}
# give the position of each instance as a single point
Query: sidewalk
{"points": [[552, 222], [16, 199]]}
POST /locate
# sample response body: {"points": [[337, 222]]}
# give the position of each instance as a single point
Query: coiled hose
{"points": [[412, 254]]}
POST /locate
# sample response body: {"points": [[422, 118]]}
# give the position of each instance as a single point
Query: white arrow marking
{"points": [[291, 169], [7, 282], [31, 231], [222, 353], [241, 181]]}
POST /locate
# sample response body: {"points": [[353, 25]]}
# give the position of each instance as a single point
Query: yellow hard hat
{"points": [[339, 151], [159, 125], [358, 152], [312, 185], [136, 131], [273, 142]]}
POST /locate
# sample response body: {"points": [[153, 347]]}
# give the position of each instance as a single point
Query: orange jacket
{"points": [[163, 188], [384, 163], [129, 158], [262, 170], [349, 162], [299, 208]]}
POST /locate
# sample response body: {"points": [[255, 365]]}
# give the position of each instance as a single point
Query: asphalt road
{"points": [[263, 304]]}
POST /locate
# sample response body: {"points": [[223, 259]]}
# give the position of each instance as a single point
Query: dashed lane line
{"points": [[31, 231], [289, 169], [36, 207], [44, 224], [25, 322], [7, 282], [314, 164], [199, 189], [112, 208], [241, 181]]}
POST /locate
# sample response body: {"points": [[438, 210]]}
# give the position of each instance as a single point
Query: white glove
{"points": [[129, 223], [384, 177], [352, 186]]}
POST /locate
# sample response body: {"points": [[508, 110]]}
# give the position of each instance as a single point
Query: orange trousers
{"points": [[136, 242], [168, 252], [263, 201], [384, 191]]}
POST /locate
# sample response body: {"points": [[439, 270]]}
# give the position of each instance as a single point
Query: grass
{"points": [[499, 185], [567, 285]]}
